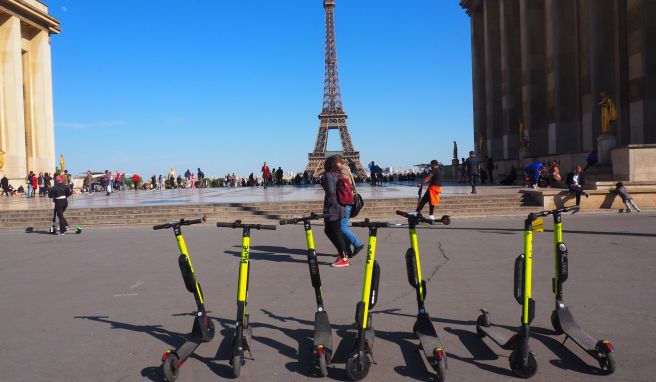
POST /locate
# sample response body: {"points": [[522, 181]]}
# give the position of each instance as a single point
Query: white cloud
{"points": [[90, 125]]}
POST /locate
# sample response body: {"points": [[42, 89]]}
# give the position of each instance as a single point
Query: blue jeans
{"points": [[30, 190], [349, 236]]}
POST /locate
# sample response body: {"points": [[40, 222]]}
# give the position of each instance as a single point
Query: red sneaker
{"points": [[341, 262]]}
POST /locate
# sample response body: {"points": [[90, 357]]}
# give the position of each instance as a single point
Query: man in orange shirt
{"points": [[432, 195]]}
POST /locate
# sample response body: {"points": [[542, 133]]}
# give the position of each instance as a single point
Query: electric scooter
{"points": [[361, 357], [423, 328], [562, 318], [445, 219], [522, 360], [243, 331], [323, 349], [203, 329]]}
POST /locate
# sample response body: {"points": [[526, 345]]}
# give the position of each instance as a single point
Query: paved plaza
{"points": [[238, 195], [104, 305]]}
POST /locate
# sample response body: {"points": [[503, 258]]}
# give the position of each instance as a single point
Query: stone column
{"points": [[42, 105], [478, 73], [568, 132], [511, 66], [534, 74], [11, 100], [493, 78], [602, 57], [649, 65]]}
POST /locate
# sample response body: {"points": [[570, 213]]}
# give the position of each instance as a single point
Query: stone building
{"points": [[27, 140], [544, 64]]}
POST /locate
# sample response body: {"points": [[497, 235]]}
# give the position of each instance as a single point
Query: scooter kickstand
{"points": [[565, 340]]}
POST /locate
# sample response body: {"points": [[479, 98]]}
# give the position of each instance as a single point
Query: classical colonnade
{"points": [[544, 63], [27, 140]]}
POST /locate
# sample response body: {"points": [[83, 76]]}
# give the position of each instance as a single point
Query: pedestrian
{"points": [[349, 237], [432, 195], [172, 181], [591, 160], [279, 176], [160, 183], [490, 169], [4, 183], [108, 182], [59, 195], [574, 184], [39, 182], [30, 187], [266, 175], [118, 181], [473, 170], [626, 198], [87, 182], [533, 171], [68, 180], [333, 211], [463, 171], [135, 181]]}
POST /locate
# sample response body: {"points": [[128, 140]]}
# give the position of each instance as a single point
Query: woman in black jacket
{"points": [[333, 211]]}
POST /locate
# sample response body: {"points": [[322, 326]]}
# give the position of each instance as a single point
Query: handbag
{"points": [[357, 205]]}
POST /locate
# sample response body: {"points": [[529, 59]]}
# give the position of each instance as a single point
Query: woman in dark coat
{"points": [[333, 211]]}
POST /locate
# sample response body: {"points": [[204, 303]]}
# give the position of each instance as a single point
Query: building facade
{"points": [[539, 69], [27, 140]]}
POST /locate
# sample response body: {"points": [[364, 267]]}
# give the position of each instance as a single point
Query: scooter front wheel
{"points": [[520, 370], [446, 220], [169, 368], [357, 368], [236, 365], [323, 366]]}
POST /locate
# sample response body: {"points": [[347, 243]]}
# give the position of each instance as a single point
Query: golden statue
{"points": [[2, 159], [481, 144], [172, 172], [61, 163], [523, 139], [608, 113]]}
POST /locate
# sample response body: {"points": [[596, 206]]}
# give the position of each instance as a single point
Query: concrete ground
{"points": [[104, 305], [238, 195]]}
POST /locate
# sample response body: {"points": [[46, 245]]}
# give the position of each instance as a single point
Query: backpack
{"points": [[344, 191]]}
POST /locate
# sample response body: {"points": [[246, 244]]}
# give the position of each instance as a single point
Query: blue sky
{"points": [[142, 86]]}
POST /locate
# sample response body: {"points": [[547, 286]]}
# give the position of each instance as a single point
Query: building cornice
{"points": [[471, 5], [31, 15]]}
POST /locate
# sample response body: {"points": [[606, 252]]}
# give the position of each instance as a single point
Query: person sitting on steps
{"points": [[574, 184]]}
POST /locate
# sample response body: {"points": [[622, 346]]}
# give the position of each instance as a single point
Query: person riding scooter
{"points": [[59, 194]]}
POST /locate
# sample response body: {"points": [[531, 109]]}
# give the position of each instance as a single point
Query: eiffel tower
{"points": [[332, 115]]}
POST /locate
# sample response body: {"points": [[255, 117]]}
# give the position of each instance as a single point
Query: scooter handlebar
{"points": [[179, 223], [312, 216], [238, 224], [370, 224]]}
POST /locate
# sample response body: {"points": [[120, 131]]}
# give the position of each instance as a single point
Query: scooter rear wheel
{"points": [[323, 366], [608, 364], [440, 371], [169, 368], [517, 368], [480, 322], [555, 323], [210, 329], [353, 369], [236, 365]]}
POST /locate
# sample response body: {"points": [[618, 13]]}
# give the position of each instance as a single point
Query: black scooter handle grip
{"points": [[313, 216], [264, 226], [288, 221], [162, 226], [195, 221], [570, 208], [226, 225]]}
